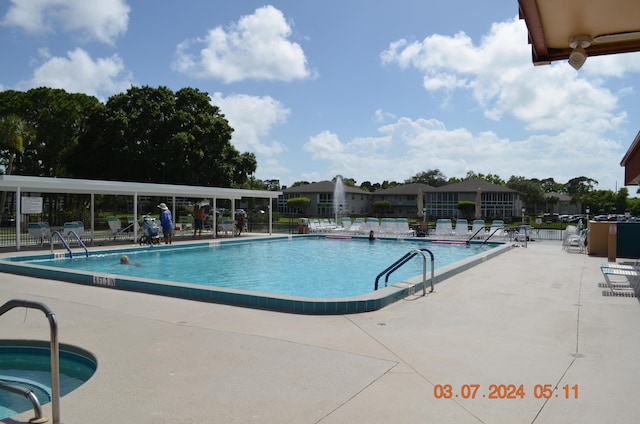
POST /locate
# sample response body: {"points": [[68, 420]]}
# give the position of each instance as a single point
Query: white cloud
{"points": [[499, 74], [252, 118], [408, 147], [256, 47], [103, 20], [381, 116], [79, 73]]}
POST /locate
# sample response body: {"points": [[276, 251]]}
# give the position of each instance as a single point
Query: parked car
{"points": [[8, 221]]}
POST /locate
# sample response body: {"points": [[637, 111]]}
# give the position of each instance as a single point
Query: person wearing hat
{"points": [[166, 222]]}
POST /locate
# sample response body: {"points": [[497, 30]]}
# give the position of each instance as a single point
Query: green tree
{"points": [[578, 188], [548, 185], [622, 197], [530, 190], [13, 133], [381, 206], [300, 204], [58, 119], [432, 177], [467, 207], [156, 135], [349, 182]]}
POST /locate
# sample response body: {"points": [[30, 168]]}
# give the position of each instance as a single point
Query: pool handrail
{"points": [[403, 260], [55, 349], [483, 229], [31, 397], [64, 242], [73, 233], [489, 236]]}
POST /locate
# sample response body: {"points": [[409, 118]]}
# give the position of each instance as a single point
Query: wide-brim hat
{"points": [[163, 206]]}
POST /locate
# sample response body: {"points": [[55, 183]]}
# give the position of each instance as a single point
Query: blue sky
{"points": [[370, 90]]}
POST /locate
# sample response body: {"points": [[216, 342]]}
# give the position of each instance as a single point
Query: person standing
{"points": [[239, 222], [166, 222], [198, 217]]}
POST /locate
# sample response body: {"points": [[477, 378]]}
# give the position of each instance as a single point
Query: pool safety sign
{"points": [[31, 205]]}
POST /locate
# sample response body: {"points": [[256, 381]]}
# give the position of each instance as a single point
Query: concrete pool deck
{"points": [[527, 317]]}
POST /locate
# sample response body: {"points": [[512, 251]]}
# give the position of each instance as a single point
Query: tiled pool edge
{"points": [[258, 300]]}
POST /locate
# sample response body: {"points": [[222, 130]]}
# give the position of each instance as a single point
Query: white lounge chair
{"points": [[497, 229], [228, 226], [478, 229], [402, 227], [115, 226], [388, 227], [372, 224], [357, 226], [39, 230], [630, 279], [462, 228], [443, 228], [524, 233], [76, 227]]}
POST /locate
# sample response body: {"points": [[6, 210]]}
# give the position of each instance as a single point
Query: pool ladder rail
{"points": [[66, 244], [403, 260], [31, 397], [55, 363]]}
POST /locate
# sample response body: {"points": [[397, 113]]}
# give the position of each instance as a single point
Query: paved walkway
{"points": [[530, 317]]}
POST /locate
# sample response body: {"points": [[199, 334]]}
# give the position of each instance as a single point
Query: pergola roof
{"points": [[551, 23], [78, 186]]}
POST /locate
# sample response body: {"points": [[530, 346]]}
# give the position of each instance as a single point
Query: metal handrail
{"points": [[64, 242], [73, 233], [474, 236], [403, 260], [55, 349], [27, 393], [490, 234]]}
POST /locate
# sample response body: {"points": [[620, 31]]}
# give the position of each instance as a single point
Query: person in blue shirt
{"points": [[166, 222]]}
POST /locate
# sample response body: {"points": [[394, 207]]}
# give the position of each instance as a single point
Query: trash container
{"points": [[303, 227]]}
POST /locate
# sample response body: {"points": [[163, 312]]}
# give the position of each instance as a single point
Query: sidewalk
{"points": [[528, 317]]}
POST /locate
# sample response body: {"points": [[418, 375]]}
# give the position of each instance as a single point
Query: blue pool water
{"points": [[299, 266], [29, 366]]}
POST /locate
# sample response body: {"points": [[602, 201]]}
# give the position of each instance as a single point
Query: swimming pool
{"points": [[27, 363], [309, 274]]}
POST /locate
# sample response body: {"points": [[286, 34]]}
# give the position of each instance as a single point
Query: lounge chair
{"points": [[631, 278], [478, 229], [115, 226], [575, 242], [372, 224], [443, 227], [357, 226], [76, 227], [402, 228], [633, 266], [497, 229], [228, 226], [462, 228], [388, 226], [39, 230], [524, 233]]}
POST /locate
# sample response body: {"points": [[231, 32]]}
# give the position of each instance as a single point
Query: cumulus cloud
{"points": [[256, 47], [407, 147], [79, 73], [501, 79], [252, 119], [103, 20]]}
